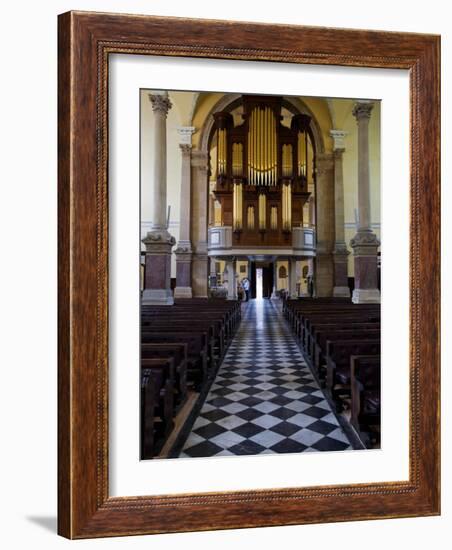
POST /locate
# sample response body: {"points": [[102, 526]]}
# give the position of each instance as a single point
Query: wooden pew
{"points": [[338, 355], [178, 352], [365, 385], [214, 330], [318, 329], [157, 399], [342, 334], [197, 371]]}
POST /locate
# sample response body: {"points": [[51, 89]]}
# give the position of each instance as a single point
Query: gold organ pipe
{"points": [[240, 206], [259, 148], [256, 152], [262, 211], [223, 159], [256, 147], [237, 159], [270, 152], [269, 147], [248, 148], [219, 151], [289, 207], [263, 158], [222, 151], [264, 117], [299, 154], [262, 147], [237, 207], [267, 179], [253, 145], [275, 152], [284, 206], [234, 156]]}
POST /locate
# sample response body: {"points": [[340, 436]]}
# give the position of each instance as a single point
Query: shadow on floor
{"points": [[49, 523]]}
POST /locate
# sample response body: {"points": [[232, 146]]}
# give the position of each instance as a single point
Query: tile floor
{"points": [[264, 398]]}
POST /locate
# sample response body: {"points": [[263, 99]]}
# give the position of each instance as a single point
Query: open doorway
{"points": [[261, 279], [259, 283]]}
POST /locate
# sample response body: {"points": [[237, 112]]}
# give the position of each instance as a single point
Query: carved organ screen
{"points": [[264, 163]]}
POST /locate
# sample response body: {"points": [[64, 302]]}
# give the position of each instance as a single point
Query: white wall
{"points": [[28, 275]]}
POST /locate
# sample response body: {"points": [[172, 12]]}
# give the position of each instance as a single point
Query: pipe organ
{"points": [[264, 165]]}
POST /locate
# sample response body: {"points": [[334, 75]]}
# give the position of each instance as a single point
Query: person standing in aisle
{"points": [[246, 288]]}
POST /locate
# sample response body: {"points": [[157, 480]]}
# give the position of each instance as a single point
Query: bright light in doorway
{"points": [[259, 283]]}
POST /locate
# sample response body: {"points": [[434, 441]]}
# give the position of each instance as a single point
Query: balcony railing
{"points": [[303, 241], [220, 237]]}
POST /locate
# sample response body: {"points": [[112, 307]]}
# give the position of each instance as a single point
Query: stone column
{"points": [[275, 279], [232, 283], [158, 241], [311, 277], [198, 222], [293, 278], [184, 251], [324, 224], [312, 211], [365, 243], [212, 273], [340, 254]]}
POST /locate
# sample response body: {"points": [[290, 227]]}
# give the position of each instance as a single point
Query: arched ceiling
{"points": [[203, 104]]}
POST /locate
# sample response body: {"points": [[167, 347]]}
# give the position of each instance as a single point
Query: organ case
{"points": [[263, 171]]}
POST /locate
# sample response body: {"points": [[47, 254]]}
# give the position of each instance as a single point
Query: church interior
{"points": [[259, 273]]}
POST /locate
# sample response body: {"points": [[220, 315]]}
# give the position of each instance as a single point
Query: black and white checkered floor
{"points": [[264, 398]]}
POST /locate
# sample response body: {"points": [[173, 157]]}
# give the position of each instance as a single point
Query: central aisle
{"points": [[264, 398]]}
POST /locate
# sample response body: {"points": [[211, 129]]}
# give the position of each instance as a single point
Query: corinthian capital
{"points": [[338, 139], [185, 133], [185, 149], [161, 103], [362, 110]]}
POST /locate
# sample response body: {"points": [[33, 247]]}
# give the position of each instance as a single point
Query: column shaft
{"points": [[365, 243], [325, 224], [184, 251], [160, 106], [158, 241], [198, 222], [275, 278], [293, 278], [232, 284], [341, 253]]}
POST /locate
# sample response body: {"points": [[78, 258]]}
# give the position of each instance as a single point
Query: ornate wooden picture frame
{"points": [[86, 40]]}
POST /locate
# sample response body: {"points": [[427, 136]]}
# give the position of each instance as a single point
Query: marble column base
{"points": [[157, 297], [340, 261], [157, 284], [183, 292], [200, 273], [341, 292], [183, 272], [324, 275], [365, 249], [366, 296]]}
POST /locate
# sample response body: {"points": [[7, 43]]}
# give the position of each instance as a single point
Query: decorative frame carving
{"points": [[85, 42]]}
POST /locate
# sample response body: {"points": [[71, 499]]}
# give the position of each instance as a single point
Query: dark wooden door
{"points": [[267, 281], [253, 280]]}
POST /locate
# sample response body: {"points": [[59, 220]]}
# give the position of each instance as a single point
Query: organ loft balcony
{"points": [[223, 241]]}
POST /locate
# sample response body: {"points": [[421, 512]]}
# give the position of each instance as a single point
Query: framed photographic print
{"points": [[248, 275]]}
